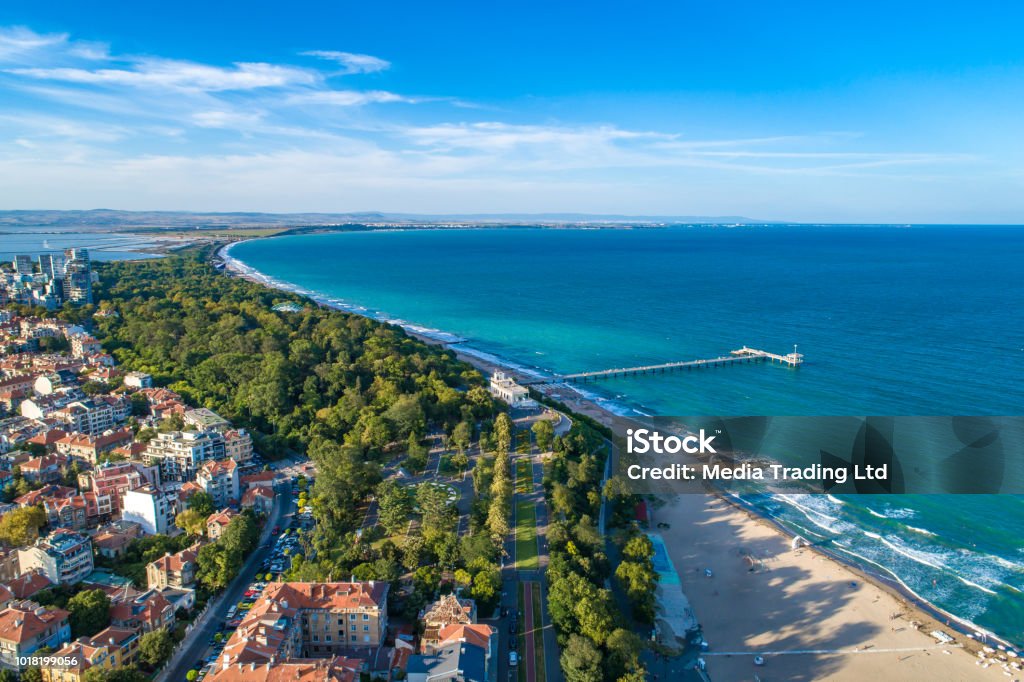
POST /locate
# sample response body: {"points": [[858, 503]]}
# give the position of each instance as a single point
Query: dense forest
{"points": [[291, 378]]}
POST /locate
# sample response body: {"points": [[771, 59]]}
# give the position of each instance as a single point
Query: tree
{"points": [[502, 433], [192, 522], [32, 674], [155, 647], [216, 567], [581, 660], [412, 552], [20, 527], [486, 589], [201, 503], [393, 506], [433, 503], [461, 436], [90, 612], [544, 432]]}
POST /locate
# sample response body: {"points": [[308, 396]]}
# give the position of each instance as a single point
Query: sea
{"points": [[908, 320], [103, 246]]}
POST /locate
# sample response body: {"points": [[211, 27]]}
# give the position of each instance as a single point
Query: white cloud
{"points": [[349, 98], [225, 119], [180, 75], [353, 63], [17, 42]]}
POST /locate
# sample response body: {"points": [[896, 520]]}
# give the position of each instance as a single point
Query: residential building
{"points": [[108, 649], [238, 445], [77, 512], [114, 479], [92, 447], [64, 557], [448, 610], [218, 522], [259, 498], [92, 416], [77, 280], [453, 662], [219, 478], [335, 669], [152, 508], [145, 612], [45, 469], [174, 570], [179, 454], [307, 620], [83, 345], [205, 420], [28, 584], [138, 380], [26, 627], [111, 544]]}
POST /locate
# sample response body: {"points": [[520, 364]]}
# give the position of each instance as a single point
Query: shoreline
{"points": [[914, 607]]}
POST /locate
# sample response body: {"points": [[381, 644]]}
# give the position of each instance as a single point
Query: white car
{"points": [[513, 659]]}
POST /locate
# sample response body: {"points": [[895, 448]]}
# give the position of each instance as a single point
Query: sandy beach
{"points": [[809, 616], [794, 601]]}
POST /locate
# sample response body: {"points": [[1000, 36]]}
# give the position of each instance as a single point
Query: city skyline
{"points": [[872, 114]]}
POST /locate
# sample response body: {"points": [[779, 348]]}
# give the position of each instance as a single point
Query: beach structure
{"points": [[505, 388], [739, 356]]}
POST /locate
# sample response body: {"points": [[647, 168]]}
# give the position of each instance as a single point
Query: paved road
{"points": [[537, 579], [198, 639], [529, 632]]}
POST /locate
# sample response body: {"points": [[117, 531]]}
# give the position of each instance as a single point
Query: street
{"points": [[197, 641]]}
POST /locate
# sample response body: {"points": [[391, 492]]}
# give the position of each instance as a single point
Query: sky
{"points": [[903, 112]]}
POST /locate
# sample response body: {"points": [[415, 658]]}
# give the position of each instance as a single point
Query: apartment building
{"points": [[179, 454], [151, 507], [26, 627], [64, 557], [219, 478]]}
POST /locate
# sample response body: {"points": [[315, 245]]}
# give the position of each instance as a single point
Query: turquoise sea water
{"points": [[907, 321]]}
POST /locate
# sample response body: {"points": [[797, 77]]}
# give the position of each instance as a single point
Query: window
{"points": [[353, 628], [366, 628], [366, 616]]}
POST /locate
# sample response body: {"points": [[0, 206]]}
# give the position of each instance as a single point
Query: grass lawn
{"points": [[526, 537], [524, 477]]}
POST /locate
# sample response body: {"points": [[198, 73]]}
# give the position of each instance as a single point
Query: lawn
{"points": [[526, 537], [524, 477]]}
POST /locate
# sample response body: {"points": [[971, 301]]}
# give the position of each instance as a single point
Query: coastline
{"points": [[912, 607]]}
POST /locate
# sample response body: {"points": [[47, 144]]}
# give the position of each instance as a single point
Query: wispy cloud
{"points": [[352, 62], [148, 131], [349, 98], [180, 75]]}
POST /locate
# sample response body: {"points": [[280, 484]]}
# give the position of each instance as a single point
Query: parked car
{"points": [[513, 659]]}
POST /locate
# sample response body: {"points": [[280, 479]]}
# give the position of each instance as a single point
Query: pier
{"points": [[742, 355]]}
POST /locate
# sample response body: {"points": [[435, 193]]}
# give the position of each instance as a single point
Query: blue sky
{"points": [[790, 111]]}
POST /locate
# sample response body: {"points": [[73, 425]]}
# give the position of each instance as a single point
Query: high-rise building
{"points": [[23, 265], [52, 265], [77, 276]]}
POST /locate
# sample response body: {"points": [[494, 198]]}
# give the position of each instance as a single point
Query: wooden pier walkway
{"points": [[741, 355]]}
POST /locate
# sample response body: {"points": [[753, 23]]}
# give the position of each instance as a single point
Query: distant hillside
{"points": [[106, 219]]}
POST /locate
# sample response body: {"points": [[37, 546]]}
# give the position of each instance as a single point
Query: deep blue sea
{"points": [[891, 320]]}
